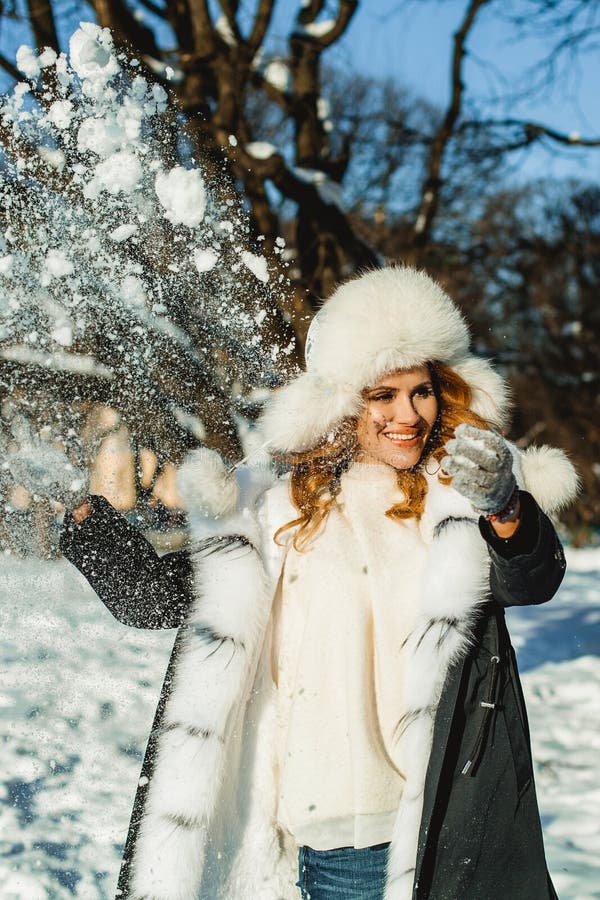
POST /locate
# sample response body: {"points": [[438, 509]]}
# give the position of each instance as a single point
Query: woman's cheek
{"points": [[379, 421]]}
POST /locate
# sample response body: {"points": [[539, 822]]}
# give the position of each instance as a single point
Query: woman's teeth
{"points": [[399, 438]]}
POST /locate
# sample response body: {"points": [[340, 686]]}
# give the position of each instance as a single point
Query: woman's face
{"points": [[399, 413]]}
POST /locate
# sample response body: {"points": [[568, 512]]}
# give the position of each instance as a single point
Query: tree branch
{"points": [[431, 189], [311, 203], [156, 10], [229, 9], [10, 68], [126, 29], [533, 131], [203, 29], [42, 24], [262, 21], [307, 16]]}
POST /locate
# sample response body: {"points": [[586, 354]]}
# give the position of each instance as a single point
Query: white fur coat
{"points": [[208, 829]]}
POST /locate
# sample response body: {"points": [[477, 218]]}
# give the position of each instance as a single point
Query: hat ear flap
{"points": [[300, 415], [491, 394]]}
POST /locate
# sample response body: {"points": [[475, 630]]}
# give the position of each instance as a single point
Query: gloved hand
{"points": [[480, 463], [42, 469]]}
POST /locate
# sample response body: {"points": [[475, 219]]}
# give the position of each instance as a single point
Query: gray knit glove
{"points": [[480, 463], [43, 470]]}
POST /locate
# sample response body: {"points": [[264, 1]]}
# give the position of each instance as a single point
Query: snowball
{"points": [[62, 71], [159, 95], [139, 86], [123, 232], [319, 29], [90, 53], [60, 113], [48, 57], [260, 149], [278, 74], [63, 334], [129, 118], [204, 260], [27, 62], [120, 173], [256, 264], [54, 158], [57, 264], [6, 264], [101, 136], [329, 191], [182, 194], [223, 29], [133, 291]]}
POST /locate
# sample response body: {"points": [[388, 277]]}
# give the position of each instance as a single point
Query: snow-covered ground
{"points": [[78, 691]]}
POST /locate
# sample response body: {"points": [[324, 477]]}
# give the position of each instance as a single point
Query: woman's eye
{"points": [[388, 396], [424, 392]]}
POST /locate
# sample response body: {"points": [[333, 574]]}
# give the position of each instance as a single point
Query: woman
{"points": [[342, 714]]}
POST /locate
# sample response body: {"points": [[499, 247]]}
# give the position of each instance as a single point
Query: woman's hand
{"points": [[480, 463], [43, 470]]}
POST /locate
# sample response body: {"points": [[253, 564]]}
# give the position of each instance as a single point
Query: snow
{"points": [[58, 360], [120, 173], [58, 264], [256, 264], [79, 691], [277, 73], [204, 260], [223, 29], [182, 194], [60, 113], [6, 264], [190, 423], [47, 57], [329, 191], [133, 291], [318, 29], [109, 227], [27, 62], [260, 149], [123, 232], [99, 135], [54, 158], [91, 54], [159, 68]]}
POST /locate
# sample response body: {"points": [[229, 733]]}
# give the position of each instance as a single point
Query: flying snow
{"points": [[182, 194]]}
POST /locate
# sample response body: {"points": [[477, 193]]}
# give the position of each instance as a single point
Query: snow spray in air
{"points": [[125, 278]]}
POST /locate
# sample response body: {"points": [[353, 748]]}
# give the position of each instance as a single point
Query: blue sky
{"points": [[411, 42]]}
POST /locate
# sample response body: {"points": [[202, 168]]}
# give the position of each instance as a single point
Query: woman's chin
{"points": [[402, 458], [397, 459]]}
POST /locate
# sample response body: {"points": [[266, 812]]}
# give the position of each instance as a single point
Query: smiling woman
{"points": [[342, 716], [400, 412]]}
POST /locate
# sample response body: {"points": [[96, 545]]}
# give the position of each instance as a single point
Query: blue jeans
{"points": [[342, 874]]}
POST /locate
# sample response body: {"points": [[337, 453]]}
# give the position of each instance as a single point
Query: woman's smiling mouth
{"points": [[405, 439]]}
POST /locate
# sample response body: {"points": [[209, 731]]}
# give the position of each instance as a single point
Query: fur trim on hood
{"points": [[387, 319]]}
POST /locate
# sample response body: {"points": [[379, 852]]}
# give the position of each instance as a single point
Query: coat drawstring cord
{"points": [[489, 706]]}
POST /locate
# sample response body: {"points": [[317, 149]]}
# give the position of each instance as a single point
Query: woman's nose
{"points": [[404, 411]]}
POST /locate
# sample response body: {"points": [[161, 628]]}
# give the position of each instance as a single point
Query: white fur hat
{"points": [[387, 319]]}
